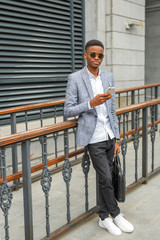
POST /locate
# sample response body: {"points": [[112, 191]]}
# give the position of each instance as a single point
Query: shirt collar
{"points": [[91, 75]]}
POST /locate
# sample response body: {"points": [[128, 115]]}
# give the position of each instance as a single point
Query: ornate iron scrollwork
{"points": [[136, 143], [46, 180], [136, 135], [153, 134], [85, 163], [67, 171], [5, 197], [5, 193], [124, 145], [86, 168]]}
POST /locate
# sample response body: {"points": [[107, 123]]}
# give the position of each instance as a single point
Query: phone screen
{"points": [[110, 89]]}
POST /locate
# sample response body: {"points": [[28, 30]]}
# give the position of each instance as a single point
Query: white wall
{"points": [[152, 59], [124, 49]]}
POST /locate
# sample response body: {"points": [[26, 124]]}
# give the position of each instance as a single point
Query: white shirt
{"points": [[103, 126]]}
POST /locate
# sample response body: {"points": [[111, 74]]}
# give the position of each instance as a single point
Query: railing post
{"points": [[14, 149], [145, 143], [86, 166], [5, 193], [97, 189], [132, 102], [27, 191], [153, 133], [156, 106], [46, 181], [67, 172]]}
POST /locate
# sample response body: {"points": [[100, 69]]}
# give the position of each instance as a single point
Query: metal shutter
{"points": [[41, 42]]}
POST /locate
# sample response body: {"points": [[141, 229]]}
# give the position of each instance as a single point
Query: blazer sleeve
{"points": [[72, 106], [113, 112]]}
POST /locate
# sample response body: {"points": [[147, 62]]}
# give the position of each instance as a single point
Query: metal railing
{"points": [[24, 139], [54, 109], [138, 94]]}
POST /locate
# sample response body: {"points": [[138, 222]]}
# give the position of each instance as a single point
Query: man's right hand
{"points": [[100, 99]]}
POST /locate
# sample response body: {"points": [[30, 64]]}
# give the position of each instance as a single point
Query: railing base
{"points": [[73, 223], [142, 180]]}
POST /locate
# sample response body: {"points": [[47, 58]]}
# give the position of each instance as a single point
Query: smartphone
{"points": [[110, 89]]}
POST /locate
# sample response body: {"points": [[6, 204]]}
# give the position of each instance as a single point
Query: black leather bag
{"points": [[118, 179]]}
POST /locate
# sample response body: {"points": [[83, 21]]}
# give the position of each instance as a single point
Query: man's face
{"points": [[94, 56]]}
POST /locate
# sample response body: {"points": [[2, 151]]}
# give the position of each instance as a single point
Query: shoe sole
{"points": [[123, 230]]}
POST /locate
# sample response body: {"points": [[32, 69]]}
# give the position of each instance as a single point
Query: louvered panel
{"points": [[36, 49], [78, 34]]}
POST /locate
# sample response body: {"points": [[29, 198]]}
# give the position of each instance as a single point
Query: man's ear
{"points": [[85, 55]]}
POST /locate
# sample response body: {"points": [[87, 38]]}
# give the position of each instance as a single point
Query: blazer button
{"points": [[96, 116]]}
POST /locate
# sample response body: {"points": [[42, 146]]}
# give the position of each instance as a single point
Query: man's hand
{"points": [[100, 99], [117, 149]]}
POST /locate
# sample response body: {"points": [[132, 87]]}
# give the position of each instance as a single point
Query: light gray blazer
{"points": [[78, 93]]}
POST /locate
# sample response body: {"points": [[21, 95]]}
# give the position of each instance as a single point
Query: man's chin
{"points": [[95, 66]]}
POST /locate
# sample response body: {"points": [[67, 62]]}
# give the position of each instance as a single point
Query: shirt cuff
{"points": [[89, 106]]}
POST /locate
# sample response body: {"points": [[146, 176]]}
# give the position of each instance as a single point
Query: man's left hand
{"points": [[117, 149]]}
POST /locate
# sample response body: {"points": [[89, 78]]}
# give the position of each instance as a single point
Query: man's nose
{"points": [[96, 57]]}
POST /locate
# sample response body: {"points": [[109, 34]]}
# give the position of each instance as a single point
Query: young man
{"points": [[87, 96]]}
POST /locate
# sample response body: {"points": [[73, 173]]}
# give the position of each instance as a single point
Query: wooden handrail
{"points": [[137, 88], [37, 132], [61, 101], [130, 132], [32, 106], [137, 106]]}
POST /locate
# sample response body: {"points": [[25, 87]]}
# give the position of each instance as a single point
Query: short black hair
{"points": [[94, 42]]}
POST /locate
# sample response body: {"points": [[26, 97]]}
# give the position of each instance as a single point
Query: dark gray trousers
{"points": [[102, 154]]}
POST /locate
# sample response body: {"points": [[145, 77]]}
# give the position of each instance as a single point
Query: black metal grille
{"points": [[37, 41]]}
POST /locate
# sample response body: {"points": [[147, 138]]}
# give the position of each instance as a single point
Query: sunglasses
{"points": [[99, 55]]}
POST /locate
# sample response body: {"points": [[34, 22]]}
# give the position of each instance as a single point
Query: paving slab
{"points": [[141, 208]]}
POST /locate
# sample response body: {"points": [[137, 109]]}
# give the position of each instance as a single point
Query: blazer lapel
{"points": [[88, 85]]}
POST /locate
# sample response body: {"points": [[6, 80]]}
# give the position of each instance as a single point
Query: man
{"points": [[87, 97]]}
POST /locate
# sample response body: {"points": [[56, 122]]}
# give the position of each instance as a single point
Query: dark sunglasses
{"points": [[99, 55]]}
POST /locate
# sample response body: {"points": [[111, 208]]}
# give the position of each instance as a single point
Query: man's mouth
{"points": [[96, 63]]}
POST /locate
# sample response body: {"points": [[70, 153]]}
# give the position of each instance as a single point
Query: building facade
{"points": [[152, 40], [43, 41], [120, 24]]}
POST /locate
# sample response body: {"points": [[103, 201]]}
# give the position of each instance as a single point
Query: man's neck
{"points": [[94, 71]]}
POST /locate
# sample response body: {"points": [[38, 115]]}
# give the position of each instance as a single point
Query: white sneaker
{"points": [[108, 224], [123, 224]]}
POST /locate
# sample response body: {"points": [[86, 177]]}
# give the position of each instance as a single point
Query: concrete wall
{"points": [[124, 49], [152, 69], [95, 17]]}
